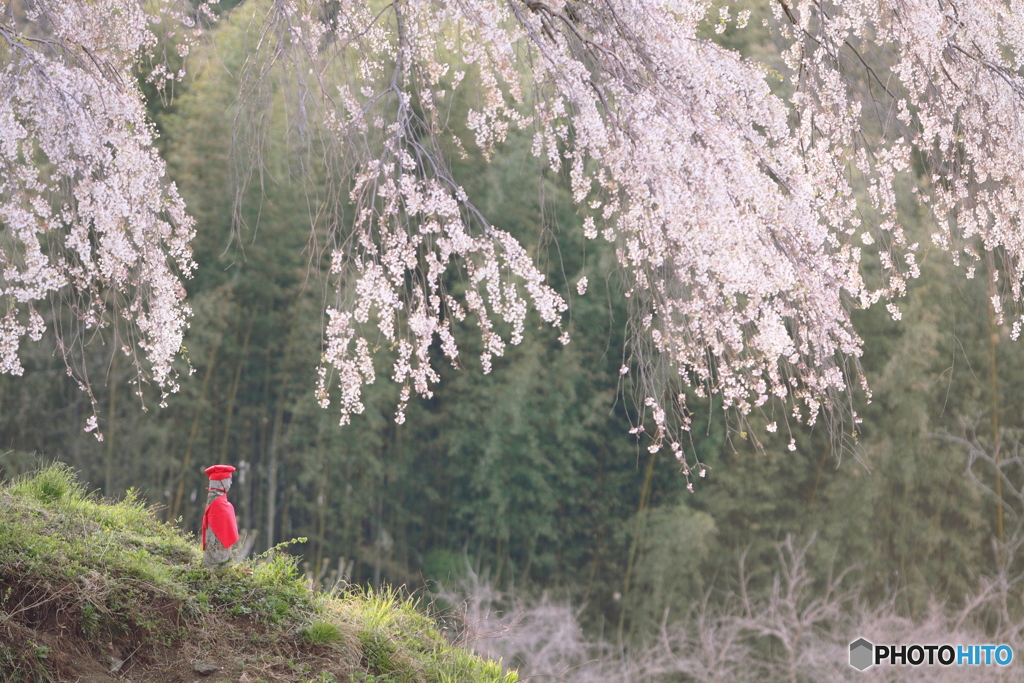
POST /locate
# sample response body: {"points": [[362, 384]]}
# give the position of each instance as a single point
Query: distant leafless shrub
{"points": [[543, 638], [799, 629]]}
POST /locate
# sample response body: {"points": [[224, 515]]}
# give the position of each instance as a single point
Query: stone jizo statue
{"points": [[218, 518]]}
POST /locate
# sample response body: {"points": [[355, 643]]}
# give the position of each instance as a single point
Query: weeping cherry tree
{"points": [[741, 199]]}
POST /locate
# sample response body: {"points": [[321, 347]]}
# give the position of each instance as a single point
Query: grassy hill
{"points": [[94, 591]]}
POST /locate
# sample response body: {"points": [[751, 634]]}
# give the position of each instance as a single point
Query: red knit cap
{"points": [[218, 472]]}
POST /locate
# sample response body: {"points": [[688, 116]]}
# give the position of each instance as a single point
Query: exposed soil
{"points": [[47, 628]]}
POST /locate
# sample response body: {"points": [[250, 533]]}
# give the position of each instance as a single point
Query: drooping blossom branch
{"points": [[676, 151], [87, 215]]}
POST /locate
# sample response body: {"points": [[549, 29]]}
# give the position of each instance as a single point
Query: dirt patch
{"points": [[67, 633]]}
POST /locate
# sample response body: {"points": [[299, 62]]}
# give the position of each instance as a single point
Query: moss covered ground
{"points": [[94, 590]]}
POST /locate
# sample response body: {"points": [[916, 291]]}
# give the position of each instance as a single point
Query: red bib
{"points": [[220, 517]]}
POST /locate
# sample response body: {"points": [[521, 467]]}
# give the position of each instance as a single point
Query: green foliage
{"points": [[17, 668], [675, 548]]}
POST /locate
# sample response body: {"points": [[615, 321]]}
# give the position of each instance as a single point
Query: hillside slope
{"points": [[96, 591]]}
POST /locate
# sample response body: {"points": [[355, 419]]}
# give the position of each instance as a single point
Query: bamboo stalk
{"points": [[175, 507], [111, 422], [229, 414], [645, 494]]}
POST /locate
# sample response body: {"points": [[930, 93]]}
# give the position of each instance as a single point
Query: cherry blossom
{"points": [[738, 214], [88, 215]]}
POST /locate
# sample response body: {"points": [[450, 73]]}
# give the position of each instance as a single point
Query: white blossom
{"points": [[739, 219], [85, 206]]}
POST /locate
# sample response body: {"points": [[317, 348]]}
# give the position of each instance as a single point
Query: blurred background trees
{"points": [[526, 480]]}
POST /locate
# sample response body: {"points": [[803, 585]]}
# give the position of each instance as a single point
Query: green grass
{"points": [[54, 530], [322, 633], [81, 577]]}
